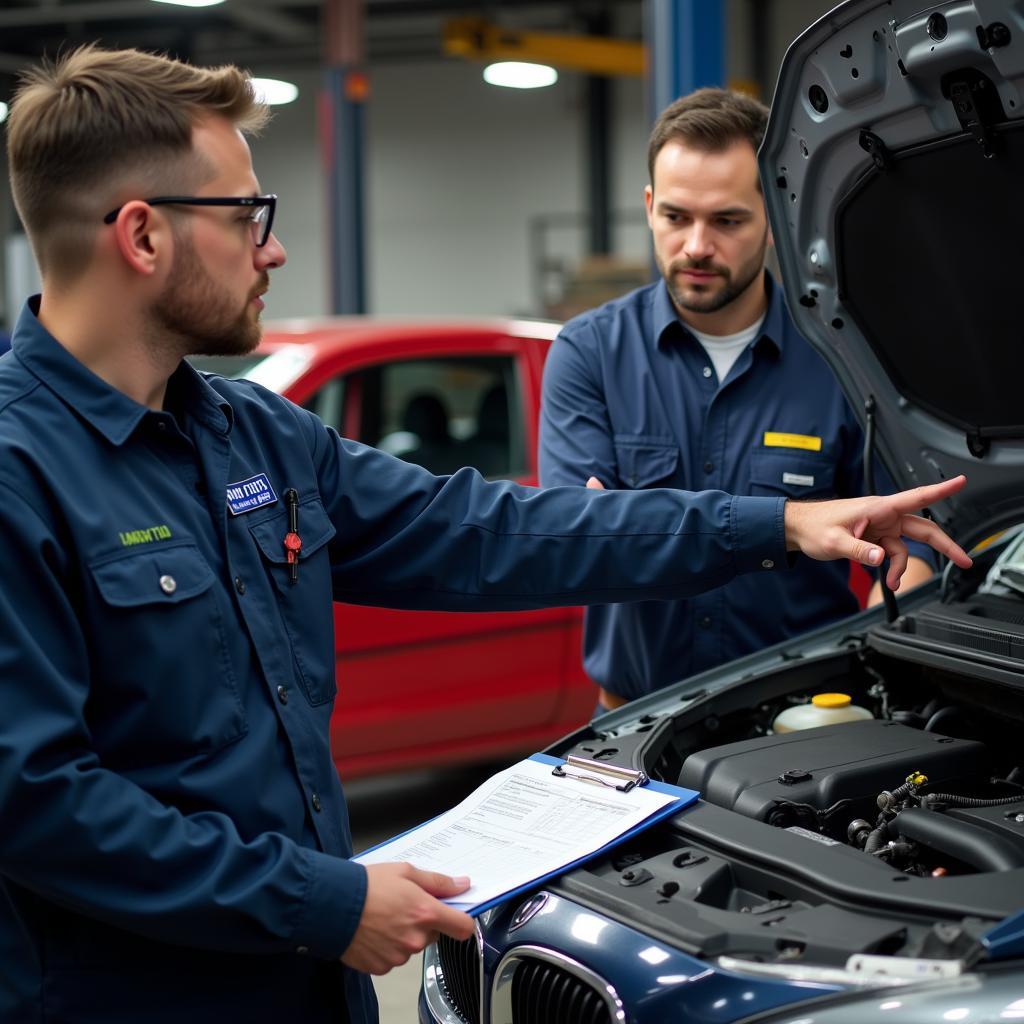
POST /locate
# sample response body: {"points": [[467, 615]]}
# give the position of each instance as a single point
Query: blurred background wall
{"points": [[476, 196]]}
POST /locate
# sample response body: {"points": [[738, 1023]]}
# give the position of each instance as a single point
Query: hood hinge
{"points": [[976, 104]]}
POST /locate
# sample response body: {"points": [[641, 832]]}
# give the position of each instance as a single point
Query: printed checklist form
{"points": [[531, 822]]}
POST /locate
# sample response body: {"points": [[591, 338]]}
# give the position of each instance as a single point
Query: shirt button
{"points": [[168, 584], [282, 696], [708, 466], [302, 950], [705, 622], [707, 371], [768, 563], [316, 803], [240, 584]]}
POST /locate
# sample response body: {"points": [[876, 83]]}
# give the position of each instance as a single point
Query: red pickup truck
{"points": [[417, 688]]}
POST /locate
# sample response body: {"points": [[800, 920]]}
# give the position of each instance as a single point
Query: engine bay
{"points": [[898, 835], [920, 800]]}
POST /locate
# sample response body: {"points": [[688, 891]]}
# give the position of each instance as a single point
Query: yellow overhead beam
{"points": [[476, 39]]}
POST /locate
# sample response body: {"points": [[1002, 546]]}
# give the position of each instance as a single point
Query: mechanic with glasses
{"points": [[175, 842]]}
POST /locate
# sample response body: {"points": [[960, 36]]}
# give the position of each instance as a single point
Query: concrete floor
{"points": [[383, 807], [398, 991]]}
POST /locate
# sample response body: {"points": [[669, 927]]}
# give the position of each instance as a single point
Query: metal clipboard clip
{"points": [[599, 773]]}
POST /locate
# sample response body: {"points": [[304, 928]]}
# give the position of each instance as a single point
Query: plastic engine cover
{"points": [[854, 760]]}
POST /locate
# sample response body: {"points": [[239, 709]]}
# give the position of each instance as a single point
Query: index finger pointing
{"points": [[918, 498]]}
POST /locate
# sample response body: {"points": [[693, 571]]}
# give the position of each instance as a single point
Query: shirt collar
{"points": [[109, 411], [664, 315]]}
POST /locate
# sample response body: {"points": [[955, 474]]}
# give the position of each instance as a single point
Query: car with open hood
{"points": [[869, 869]]}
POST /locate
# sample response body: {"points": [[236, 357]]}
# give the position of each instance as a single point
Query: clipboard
{"points": [[605, 778]]}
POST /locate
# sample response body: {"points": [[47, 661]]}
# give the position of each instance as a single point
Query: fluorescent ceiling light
{"points": [[274, 92], [3, 111], [190, 3], [516, 75]]}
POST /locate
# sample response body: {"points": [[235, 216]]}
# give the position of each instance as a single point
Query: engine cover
{"points": [[854, 760]]}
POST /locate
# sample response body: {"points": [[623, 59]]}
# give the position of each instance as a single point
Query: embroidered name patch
{"points": [[806, 442], [798, 479], [146, 536], [250, 494]]}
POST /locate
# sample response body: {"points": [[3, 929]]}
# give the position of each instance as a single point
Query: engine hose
{"points": [[949, 711], [979, 847], [952, 800], [877, 838], [889, 800]]}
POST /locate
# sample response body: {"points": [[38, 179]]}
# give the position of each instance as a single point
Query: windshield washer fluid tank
{"points": [[824, 709]]}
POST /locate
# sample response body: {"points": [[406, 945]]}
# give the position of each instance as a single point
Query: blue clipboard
{"points": [[683, 799], [580, 771]]}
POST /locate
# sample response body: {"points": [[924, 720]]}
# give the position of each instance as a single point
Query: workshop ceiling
{"points": [[259, 34]]}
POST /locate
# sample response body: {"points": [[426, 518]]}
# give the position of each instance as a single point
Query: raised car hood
{"points": [[893, 170]]}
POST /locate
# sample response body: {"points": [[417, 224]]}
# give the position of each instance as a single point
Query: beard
{"points": [[200, 317], [709, 298]]}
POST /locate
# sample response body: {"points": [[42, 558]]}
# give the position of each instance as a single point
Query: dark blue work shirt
{"points": [[631, 397], [175, 841]]}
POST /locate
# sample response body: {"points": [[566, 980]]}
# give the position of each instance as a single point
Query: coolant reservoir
{"points": [[824, 709]]}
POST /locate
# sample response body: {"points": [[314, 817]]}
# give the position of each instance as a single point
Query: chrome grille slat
{"points": [[534, 985], [460, 974]]}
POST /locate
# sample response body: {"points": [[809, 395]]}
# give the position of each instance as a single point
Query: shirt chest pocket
{"points": [[305, 597], [794, 474], [644, 462], [163, 681]]}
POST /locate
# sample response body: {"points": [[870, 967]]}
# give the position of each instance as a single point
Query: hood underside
{"points": [[893, 167]]}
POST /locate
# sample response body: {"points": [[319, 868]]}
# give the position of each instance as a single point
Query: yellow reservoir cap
{"points": [[831, 700]]}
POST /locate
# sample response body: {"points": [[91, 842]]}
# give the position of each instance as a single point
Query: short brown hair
{"points": [[97, 120], [709, 119]]}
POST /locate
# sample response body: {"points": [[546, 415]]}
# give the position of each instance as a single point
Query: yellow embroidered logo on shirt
{"points": [[803, 441], [145, 536]]}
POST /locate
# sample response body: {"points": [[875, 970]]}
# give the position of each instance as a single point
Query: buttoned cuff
{"points": [[335, 895], [757, 528]]}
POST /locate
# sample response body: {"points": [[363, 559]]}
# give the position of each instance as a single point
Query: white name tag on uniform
{"points": [[798, 479], [246, 495]]}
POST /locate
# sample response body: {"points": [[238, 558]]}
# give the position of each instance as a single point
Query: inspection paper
{"points": [[524, 824]]}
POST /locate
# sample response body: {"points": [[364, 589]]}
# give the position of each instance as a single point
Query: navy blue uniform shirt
{"points": [[174, 835], [631, 397]]}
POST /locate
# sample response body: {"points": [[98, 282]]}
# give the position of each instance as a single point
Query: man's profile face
{"points": [[203, 312], [708, 221], [211, 299]]}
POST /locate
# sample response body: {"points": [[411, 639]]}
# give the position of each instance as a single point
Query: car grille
{"points": [[460, 976], [536, 985], [542, 993]]}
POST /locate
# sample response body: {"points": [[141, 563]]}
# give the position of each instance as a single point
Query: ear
{"points": [[142, 236], [649, 205]]}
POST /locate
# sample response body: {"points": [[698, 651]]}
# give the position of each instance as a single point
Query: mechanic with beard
{"points": [[175, 843], [701, 380]]}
